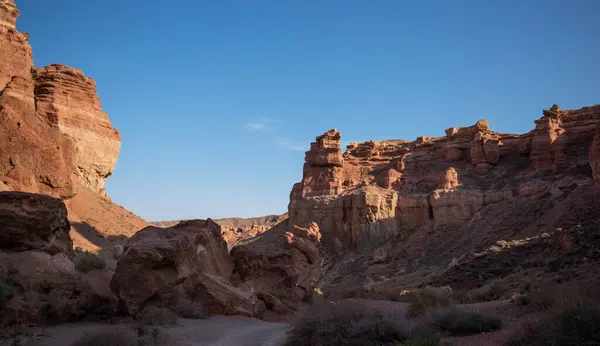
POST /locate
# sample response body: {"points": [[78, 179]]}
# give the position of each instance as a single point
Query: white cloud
{"points": [[255, 126], [290, 145]]}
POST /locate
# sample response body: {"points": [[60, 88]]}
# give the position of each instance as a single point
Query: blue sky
{"points": [[217, 100]]}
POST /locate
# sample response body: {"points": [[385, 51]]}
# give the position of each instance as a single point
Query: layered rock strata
{"points": [[377, 191]]}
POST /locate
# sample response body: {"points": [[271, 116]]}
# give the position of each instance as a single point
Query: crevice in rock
{"points": [[12, 79]]}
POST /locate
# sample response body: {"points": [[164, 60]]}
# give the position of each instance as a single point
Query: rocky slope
{"points": [[55, 139]]}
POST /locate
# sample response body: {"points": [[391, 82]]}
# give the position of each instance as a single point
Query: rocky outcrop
{"points": [[34, 157], [284, 262], [34, 222], [39, 281], [186, 262], [381, 190], [68, 99], [322, 167], [55, 139], [52, 127]]}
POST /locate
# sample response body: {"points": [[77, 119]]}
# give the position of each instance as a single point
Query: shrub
{"points": [[105, 337], [540, 299], [347, 323], [579, 325], [461, 323], [7, 291], [157, 317], [88, 261], [495, 290], [187, 309], [426, 300]]}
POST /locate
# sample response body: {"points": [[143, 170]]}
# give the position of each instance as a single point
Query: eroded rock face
{"points": [[40, 282], [284, 262], [323, 166], [34, 157], [188, 261], [381, 190], [52, 128], [34, 222], [68, 99]]}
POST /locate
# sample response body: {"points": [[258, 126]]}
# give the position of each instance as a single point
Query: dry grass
{"points": [[425, 300], [495, 290], [347, 323], [578, 325]]}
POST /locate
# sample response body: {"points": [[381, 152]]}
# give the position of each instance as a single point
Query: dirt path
{"points": [[215, 331]]}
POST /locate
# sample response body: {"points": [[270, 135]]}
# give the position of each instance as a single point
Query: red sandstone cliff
{"points": [[380, 190], [54, 137]]}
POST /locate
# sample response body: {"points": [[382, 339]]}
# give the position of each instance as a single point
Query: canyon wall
{"points": [[378, 191], [54, 137]]}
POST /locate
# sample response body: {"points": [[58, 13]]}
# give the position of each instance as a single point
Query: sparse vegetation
{"points": [[346, 323], [88, 261], [185, 308], [540, 298], [426, 300], [157, 317], [495, 290], [460, 323], [578, 325]]}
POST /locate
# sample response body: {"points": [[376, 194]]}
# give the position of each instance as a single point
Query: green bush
{"points": [[579, 325], [7, 291], [88, 261], [461, 323], [346, 323]]}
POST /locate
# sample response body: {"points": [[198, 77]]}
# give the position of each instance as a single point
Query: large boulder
{"points": [[186, 262], [32, 221], [284, 262]]}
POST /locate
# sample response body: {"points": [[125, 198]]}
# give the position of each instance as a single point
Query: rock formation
{"points": [[378, 191], [29, 221], [34, 157], [283, 263], [39, 280], [187, 262], [68, 99], [54, 137]]}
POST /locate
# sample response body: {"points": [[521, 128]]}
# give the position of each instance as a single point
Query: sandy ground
{"points": [[215, 331]]}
